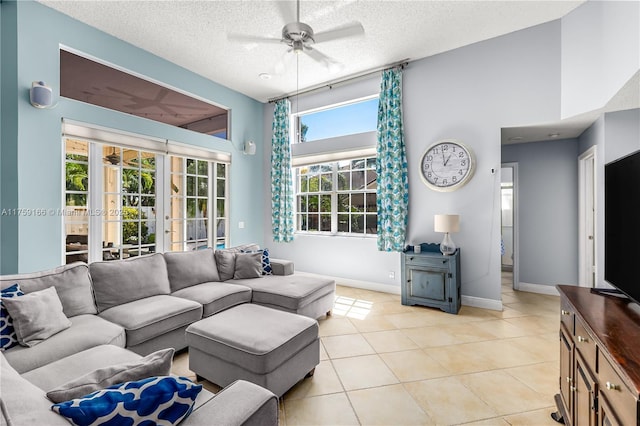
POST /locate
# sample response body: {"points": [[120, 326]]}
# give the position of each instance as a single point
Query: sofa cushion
{"points": [[37, 316], [152, 316], [23, 403], [266, 262], [215, 297], [86, 331], [248, 265], [291, 292], [64, 370], [122, 281], [226, 259], [8, 336], [189, 268], [155, 364], [72, 283], [162, 400]]}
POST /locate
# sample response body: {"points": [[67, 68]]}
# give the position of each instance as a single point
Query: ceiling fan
{"points": [[301, 38], [113, 158]]}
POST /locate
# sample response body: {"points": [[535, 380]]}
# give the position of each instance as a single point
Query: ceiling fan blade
{"points": [[331, 64], [280, 67], [348, 30]]}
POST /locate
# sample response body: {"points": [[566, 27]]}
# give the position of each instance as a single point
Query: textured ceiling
{"points": [[194, 34]]}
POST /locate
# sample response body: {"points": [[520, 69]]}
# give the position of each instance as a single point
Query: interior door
{"points": [[587, 200]]}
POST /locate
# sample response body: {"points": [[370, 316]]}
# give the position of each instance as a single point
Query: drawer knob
{"points": [[582, 339], [573, 388], [568, 379], [612, 386], [563, 312]]}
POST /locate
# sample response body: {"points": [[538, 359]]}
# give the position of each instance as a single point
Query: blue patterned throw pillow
{"points": [[163, 400], [8, 337], [266, 262]]}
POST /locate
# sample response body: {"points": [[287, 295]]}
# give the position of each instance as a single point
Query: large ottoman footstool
{"points": [[271, 348]]}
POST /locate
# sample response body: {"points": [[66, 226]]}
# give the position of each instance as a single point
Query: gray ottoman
{"points": [[271, 348]]}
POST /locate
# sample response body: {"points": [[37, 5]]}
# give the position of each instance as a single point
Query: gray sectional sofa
{"points": [[126, 309]]}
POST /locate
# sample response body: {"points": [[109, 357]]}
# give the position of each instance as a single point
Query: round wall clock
{"points": [[447, 165]]}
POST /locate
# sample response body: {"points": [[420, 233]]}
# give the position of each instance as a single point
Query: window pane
{"points": [[358, 164], [203, 168], [220, 191], [304, 183], [357, 223], [313, 222], [325, 203], [313, 203], [191, 186], [372, 179], [203, 186], [221, 230], [344, 120], [191, 208], [372, 224], [76, 199], [77, 177], [325, 222], [357, 180], [220, 207], [302, 222], [191, 166], [357, 202], [343, 181], [221, 170], [371, 162], [327, 182], [148, 182], [343, 223], [201, 205], [314, 185], [343, 203], [371, 203], [302, 204], [76, 150]]}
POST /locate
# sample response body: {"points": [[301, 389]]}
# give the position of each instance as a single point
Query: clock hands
{"points": [[447, 160]]}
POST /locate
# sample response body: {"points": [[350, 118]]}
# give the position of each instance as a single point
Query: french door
{"points": [[122, 202]]}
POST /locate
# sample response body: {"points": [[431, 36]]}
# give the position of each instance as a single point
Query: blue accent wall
{"points": [[32, 154]]}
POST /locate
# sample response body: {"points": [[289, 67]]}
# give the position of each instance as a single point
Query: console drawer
{"points": [[440, 262], [567, 315], [585, 344], [617, 394]]}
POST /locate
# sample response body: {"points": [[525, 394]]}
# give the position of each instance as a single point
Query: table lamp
{"points": [[447, 223]]}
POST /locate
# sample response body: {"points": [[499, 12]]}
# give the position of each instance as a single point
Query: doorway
{"points": [[509, 222], [587, 218]]}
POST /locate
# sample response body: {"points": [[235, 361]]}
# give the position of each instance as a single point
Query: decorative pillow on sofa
{"points": [[155, 364], [248, 265], [226, 262], [37, 316], [164, 400], [266, 262], [8, 338]]}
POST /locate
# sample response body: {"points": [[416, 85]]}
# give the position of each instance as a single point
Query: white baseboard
{"points": [[480, 302], [538, 288], [365, 285]]}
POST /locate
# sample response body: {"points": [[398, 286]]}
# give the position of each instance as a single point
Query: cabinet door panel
{"points": [[566, 373], [584, 400], [428, 284]]}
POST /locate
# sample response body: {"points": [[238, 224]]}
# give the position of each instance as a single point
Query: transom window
{"points": [[338, 197]]}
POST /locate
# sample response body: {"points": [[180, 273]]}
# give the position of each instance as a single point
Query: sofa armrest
{"points": [[281, 266], [240, 403]]}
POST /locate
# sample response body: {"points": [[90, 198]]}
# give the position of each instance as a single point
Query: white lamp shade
{"points": [[446, 223]]}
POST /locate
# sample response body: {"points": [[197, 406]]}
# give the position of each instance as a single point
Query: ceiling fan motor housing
{"points": [[297, 32]]}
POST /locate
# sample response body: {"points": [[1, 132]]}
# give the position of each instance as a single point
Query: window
{"points": [[338, 197], [355, 117], [123, 202]]}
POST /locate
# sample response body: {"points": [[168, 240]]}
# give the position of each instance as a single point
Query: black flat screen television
{"points": [[622, 225]]}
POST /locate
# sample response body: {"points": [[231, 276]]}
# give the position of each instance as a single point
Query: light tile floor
{"points": [[387, 364]]}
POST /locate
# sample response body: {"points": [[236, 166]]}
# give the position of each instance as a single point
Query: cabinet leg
{"points": [[328, 313], [310, 373], [557, 417]]}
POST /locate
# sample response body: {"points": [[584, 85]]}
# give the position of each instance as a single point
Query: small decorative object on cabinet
{"points": [[431, 279], [599, 359]]}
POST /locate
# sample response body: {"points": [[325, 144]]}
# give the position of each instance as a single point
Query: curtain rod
{"points": [[402, 64]]}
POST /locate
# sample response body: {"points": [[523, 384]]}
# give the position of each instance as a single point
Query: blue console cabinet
{"points": [[431, 279]]}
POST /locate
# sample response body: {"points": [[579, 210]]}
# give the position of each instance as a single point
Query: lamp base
{"points": [[447, 246]]}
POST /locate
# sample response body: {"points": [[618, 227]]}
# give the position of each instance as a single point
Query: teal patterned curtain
{"points": [[391, 165], [281, 181]]}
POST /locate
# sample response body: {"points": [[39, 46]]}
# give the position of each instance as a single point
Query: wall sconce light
{"points": [[40, 95], [249, 148], [447, 223]]}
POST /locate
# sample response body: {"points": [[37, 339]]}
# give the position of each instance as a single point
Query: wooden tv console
{"points": [[599, 359]]}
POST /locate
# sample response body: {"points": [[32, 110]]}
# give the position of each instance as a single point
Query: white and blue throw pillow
{"points": [[266, 262], [8, 337], [162, 400]]}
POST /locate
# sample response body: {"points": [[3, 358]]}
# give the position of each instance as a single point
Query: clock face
{"points": [[447, 165]]}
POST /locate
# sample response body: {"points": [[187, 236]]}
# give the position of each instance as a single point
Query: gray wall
{"points": [[467, 94], [547, 210]]}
